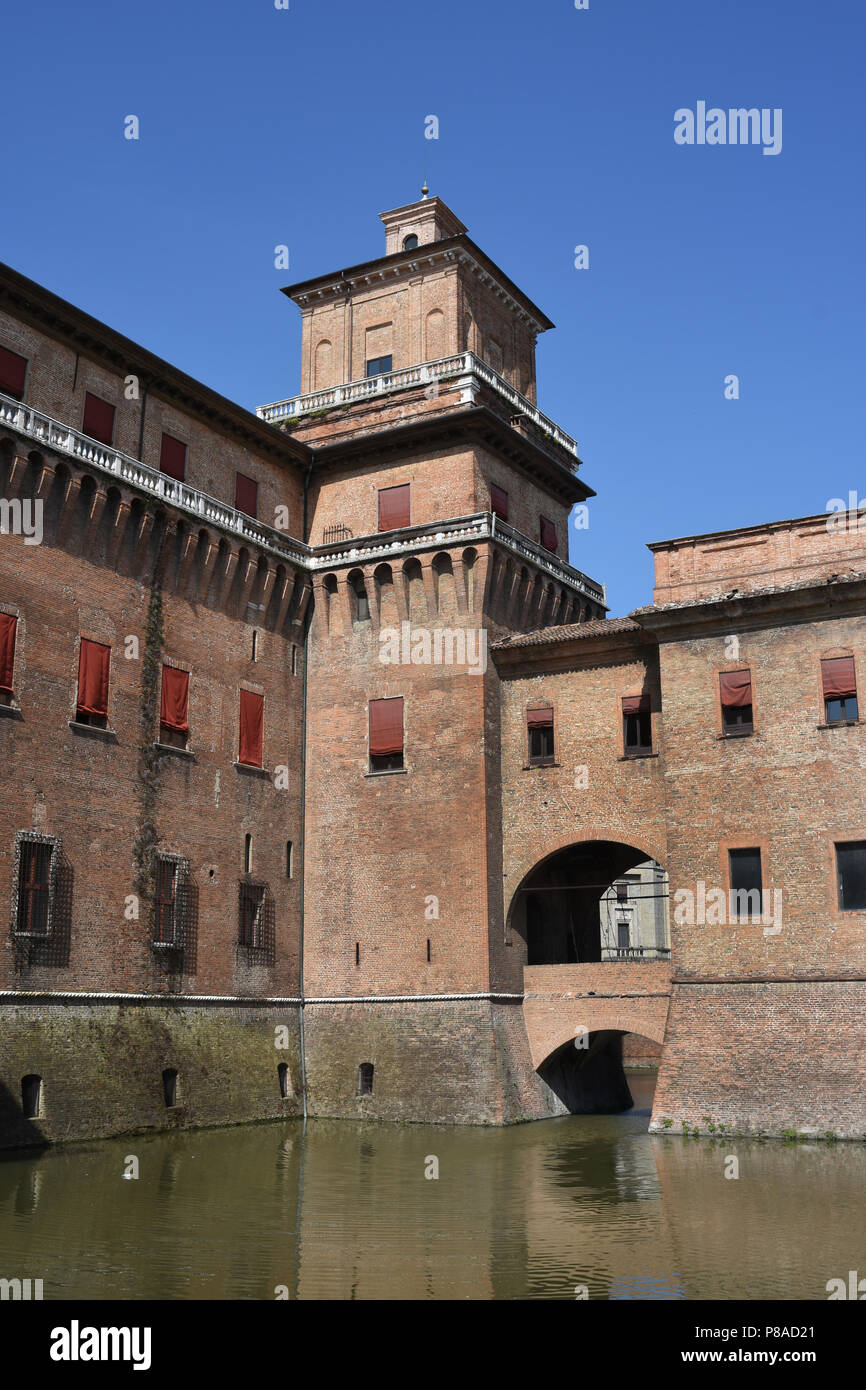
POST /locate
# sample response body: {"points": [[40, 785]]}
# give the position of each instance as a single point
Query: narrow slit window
{"points": [[248, 854], [357, 953], [31, 1096], [285, 1080], [289, 858], [170, 1089]]}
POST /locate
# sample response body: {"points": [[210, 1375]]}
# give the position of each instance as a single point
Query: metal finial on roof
{"points": [[424, 189]]}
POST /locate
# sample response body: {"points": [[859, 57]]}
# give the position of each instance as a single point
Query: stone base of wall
{"points": [[435, 1062], [764, 1059], [102, 1067]]}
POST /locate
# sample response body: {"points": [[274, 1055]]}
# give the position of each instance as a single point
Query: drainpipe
{"points": [[141, 422], [307, 621]]}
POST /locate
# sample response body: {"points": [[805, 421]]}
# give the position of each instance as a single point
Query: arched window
{"points": [[361, 603], [410, 242]]}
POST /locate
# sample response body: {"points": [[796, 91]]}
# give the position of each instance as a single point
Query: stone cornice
{"points": [[839, 596]]}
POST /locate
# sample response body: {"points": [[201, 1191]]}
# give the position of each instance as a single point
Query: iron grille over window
{"points": [[33, 916], [256, 922], [170, 901], [336, 533]]}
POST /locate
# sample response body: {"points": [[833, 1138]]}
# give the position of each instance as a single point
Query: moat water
{"points": [[343, 1210]]}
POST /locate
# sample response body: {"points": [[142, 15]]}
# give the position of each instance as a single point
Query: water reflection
{"points": [[339, 1210]]}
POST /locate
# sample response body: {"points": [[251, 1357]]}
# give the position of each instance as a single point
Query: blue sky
{"points": [[262, 127]]}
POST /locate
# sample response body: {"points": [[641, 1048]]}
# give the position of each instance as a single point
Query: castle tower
{"points": [[438, 510]]}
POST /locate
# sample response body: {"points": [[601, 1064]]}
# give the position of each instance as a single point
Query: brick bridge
{"points": [[601, 998]]}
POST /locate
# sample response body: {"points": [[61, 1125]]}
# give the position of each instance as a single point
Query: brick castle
{"points": [[332, 788]]}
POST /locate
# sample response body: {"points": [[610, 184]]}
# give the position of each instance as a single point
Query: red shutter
{"points": [[8, 630], [13, 372], [499, 501], [736, 687], [548, 534], [252, 723], [636, 704], [98, 419], [172, 458], [175, 696], [386, 726], [93, 663], [246, 494], [394, 507], [539, 718], [838, 678]]}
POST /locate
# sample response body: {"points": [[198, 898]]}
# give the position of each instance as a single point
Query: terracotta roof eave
{"points": [[398, 258], [599, 629], [64, 319]]}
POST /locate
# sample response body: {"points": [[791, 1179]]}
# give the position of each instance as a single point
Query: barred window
{"points": [[251, 915], [35, 880], [170, 900]]}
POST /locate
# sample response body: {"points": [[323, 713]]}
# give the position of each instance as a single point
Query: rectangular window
{"points": [[394, 507], [94, 659], [252, 719], [851, 875], [174, 706], [840, 689], [539, 725], [98, 420], [8, 633], [386, 734], [13, 373], [548, 534], [637, 724], [251, 905], [246, 495], [172, 457], [377, 365], [168, 922], [499, 502], [34, 887], [746, 882], [736, 692]]}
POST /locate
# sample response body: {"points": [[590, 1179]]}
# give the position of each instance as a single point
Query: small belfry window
{"points": [[410, 242], [376, 366], [94, 659], [851, 875], [736, 695], [839, 684], [539, 725], [637, 725], [36, 860], [386, 734]]}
